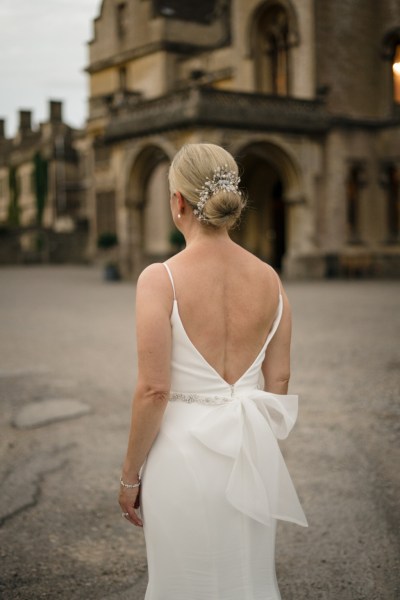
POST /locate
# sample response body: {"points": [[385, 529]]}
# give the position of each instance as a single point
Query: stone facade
{"points": [[43, 180], [305, 93]]}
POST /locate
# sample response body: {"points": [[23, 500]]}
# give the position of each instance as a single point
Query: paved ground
{"points": [[67, 340]]}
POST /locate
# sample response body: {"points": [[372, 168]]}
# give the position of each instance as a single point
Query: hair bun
{"points": [[223, 208], [207, 177]]}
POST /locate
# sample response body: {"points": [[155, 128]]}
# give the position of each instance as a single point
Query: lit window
{"points": [[396, 74]]}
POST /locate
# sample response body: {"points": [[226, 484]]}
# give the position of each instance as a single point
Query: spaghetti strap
{"points": [[171, 278], [279, 310], [279, 283]]}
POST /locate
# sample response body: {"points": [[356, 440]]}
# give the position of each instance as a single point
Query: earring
{"points": [[179, 215]]}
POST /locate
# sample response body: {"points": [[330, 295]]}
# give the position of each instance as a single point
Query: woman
{"points": [[213, 332]]}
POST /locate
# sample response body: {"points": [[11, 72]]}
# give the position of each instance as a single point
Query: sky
{"points": [[43, 53]]}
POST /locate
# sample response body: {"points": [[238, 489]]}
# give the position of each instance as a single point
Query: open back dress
{"points": [[215, 482]]}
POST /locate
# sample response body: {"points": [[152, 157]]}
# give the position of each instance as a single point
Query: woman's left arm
{"points": [[153, 332]]}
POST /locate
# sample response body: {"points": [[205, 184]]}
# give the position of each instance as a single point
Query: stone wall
{"points": [[349, 63], [35, 245]]}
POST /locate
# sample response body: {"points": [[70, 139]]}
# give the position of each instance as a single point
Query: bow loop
{"points": [[246, 429], [279, 410]]}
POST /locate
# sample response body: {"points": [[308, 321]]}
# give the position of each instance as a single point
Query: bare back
{"points": [[227, 300]]}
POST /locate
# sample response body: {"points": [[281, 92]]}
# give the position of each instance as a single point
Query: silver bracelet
{"points": [[129, 485]]}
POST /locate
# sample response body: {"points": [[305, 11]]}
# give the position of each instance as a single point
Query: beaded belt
{"points": [[192, 397]]}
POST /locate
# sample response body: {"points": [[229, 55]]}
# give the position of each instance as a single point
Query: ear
{"points": [[181, 202]]}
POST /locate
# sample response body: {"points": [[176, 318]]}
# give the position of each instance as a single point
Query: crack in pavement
{"points": [[31, 476]]}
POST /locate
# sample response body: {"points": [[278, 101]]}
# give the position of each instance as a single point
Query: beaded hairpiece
{"points": [[223, 179]]}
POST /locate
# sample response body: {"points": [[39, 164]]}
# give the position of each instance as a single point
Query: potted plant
{"points": [[177, 240], [107, 242]]}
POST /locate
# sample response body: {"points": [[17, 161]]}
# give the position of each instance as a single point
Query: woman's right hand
{"points": [[129, 500]]}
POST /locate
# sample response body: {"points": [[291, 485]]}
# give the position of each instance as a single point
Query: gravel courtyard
{"points": [[67, 374]]}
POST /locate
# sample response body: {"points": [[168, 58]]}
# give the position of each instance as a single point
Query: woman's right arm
{"points": [[153, 328]]}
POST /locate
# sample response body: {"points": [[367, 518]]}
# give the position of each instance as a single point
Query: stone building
{"points": [[304, 93], [43, 176]]}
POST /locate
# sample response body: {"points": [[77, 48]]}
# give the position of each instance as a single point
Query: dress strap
{"points": [[278, 317], [279, 283], [171, 278]]}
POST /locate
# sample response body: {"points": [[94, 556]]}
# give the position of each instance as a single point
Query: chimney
{"points": [[25, 121], [2, 129], [55, 111]]}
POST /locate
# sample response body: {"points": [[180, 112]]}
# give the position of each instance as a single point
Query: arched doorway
{"points": [[269, 178], [156, 215], [149, 222]]}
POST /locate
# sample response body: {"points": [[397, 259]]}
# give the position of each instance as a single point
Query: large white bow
{"points": [[246, 429]]}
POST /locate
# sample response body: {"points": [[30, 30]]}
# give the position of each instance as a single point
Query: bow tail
{"points": [[283, 502], [246, 490], [286, 504]]}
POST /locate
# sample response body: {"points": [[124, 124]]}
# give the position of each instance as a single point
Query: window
{"points": [[391, 54], [27, 183], [122, 79], [396, 73], [272, 51], [102, 154], [201, 12], [106, 212], [355, 183], [121, 19], [391, 184]]}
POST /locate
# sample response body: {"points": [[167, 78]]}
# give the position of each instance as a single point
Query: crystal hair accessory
{"points": [[223, 179]]}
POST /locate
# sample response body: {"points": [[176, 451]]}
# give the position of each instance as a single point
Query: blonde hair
{"points": [[192, 165]]}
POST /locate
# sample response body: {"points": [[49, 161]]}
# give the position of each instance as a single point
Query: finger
{"points": [[130, 515], [128, 510], [133, 517]]}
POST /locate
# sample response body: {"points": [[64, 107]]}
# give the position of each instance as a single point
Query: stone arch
{"points": [[138, 165], [274, 184], [149, 222], [273, 30]]}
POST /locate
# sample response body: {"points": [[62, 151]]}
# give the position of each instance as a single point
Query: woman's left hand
{"points": [[129, 499]]}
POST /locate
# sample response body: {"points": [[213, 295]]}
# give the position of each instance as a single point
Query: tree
{"points": [[40, 175]]}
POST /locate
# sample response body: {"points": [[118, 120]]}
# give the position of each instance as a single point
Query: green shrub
{"points": [[176, 238], [107, 240]]}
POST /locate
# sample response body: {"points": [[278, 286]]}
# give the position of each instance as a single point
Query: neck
{"points": [[204, 234]]}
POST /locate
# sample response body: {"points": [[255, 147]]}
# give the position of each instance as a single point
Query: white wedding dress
{"points": [[215, 481]]}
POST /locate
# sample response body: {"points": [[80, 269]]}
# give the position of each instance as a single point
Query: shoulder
{"points": [[264, 272], [152, 274], [254, 262], [154, 280]]}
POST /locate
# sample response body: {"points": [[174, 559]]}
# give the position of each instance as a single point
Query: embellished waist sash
{"points": [[245, 427]]}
